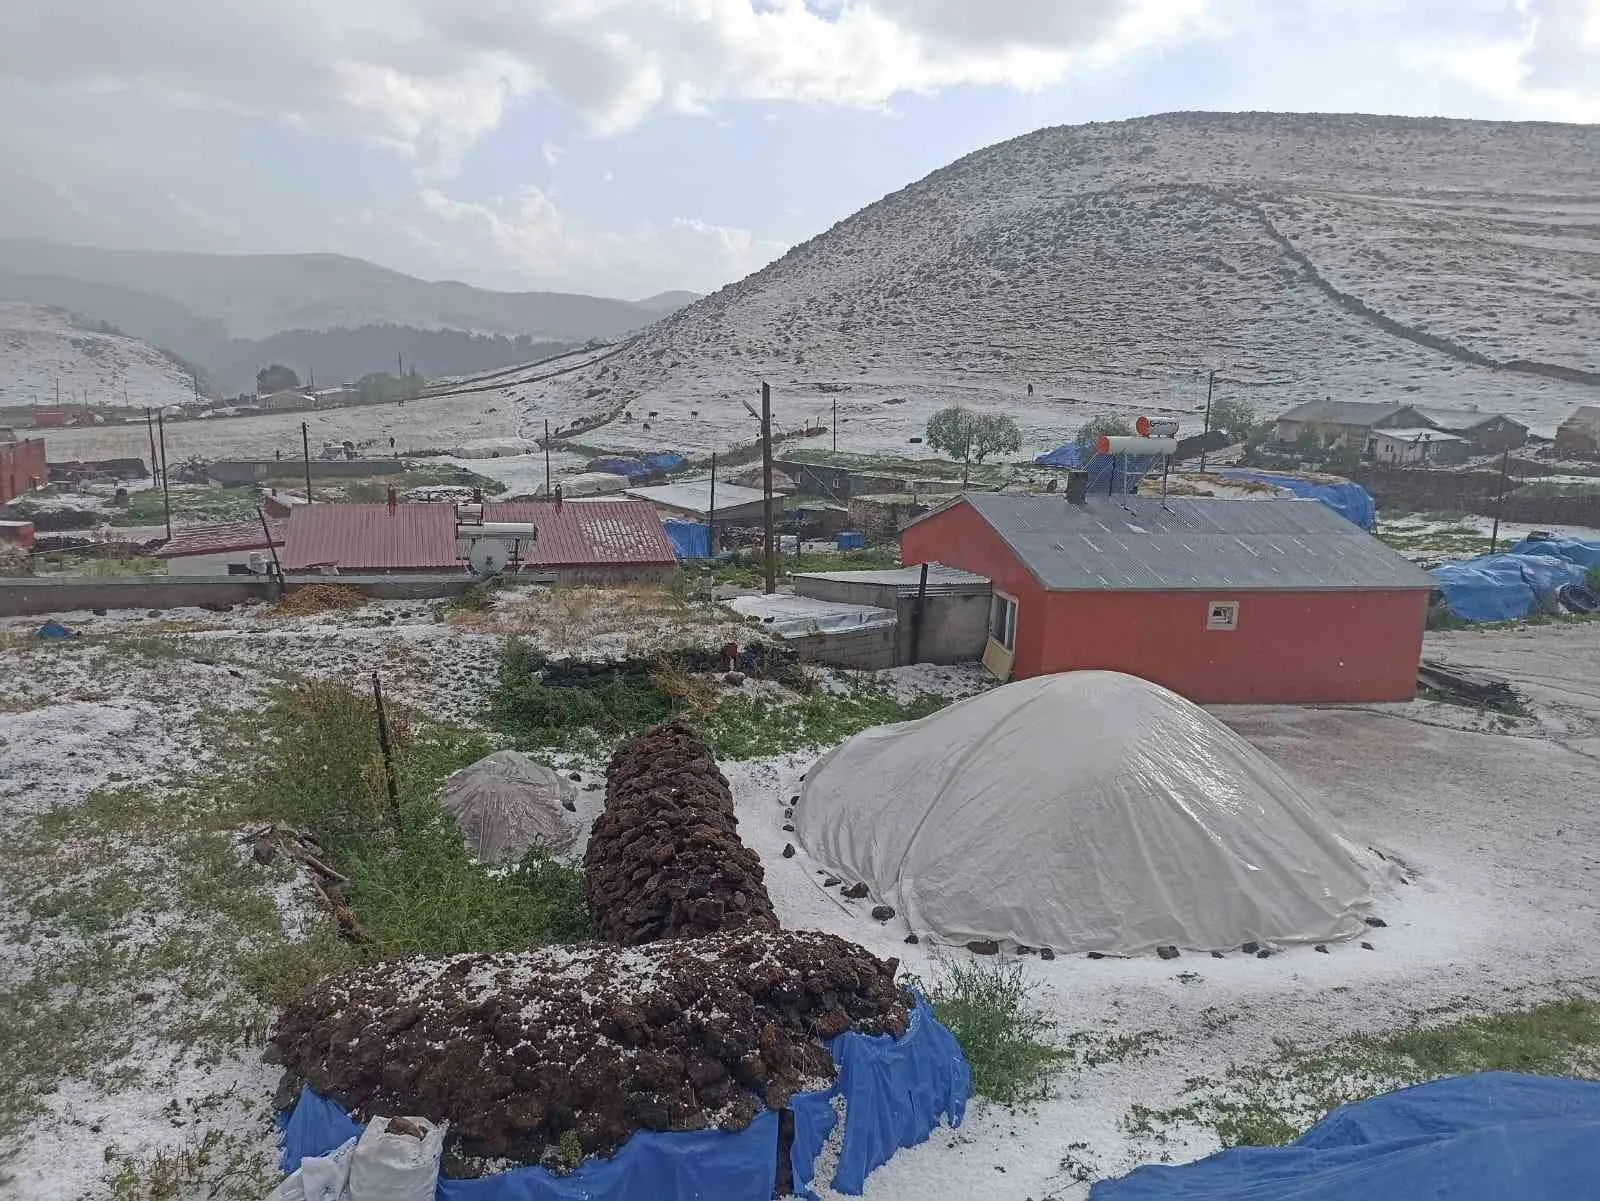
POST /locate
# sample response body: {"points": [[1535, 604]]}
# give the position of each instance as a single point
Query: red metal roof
{"points": [[416, 537], [587, 533], [219, 537]]}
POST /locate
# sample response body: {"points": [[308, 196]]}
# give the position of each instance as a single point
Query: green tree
{"points": [[1236, 418], [970, 437], [276, 378], [1108, 424]]}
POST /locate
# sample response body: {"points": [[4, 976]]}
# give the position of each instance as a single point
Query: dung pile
{"points": [[516, 1050], [665, 859], [310, 599]]}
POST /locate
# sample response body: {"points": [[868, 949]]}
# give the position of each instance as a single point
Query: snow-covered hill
{"points": [[44, 349], [1451, 262]]}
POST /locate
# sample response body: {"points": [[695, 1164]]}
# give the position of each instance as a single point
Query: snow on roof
{"points": [[1419, 434], [1344, 412], [1138, 542], [594, 533], [797, 616], [1460, 419], [371, 537], [694, 496], [220, 537]]}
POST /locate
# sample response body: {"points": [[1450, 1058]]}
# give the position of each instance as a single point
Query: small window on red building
{"points": [[1222, 615]]}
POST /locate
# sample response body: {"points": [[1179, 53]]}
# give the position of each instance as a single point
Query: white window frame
{"points": [[1001, 602], [1222, 615]]}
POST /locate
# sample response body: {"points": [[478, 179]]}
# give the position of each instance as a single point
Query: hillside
{"points": [[1451, 262], [41, 348]]}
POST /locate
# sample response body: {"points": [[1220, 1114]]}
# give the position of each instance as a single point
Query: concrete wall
{"points": [[865, 650], [233, 472], [955, 623]]}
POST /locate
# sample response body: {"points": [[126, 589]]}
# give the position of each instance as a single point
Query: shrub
{"points": [[987, 1006]]}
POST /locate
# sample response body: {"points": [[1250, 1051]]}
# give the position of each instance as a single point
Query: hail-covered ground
{"points": [[48, 356], [130, 923]]}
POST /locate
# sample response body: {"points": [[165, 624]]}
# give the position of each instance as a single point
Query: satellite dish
{"points": [[488, 556]]}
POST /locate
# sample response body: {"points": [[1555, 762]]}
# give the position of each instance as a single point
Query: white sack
{"points": [[319, 1177], [1088, 811], [396, 1167]]}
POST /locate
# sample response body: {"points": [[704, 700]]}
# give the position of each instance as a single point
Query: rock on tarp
{"points": [[506, 803], [1489, 1137]]}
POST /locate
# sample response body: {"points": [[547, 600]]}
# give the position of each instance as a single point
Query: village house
{"points": [[691, 500], [1417, 447], [22, 467], [1485, 433], [1578, 437], [1223, 601], [1343, 423], [221, 548]]}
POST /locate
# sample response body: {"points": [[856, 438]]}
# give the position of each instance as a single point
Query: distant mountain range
{"points": [[231, 313]]}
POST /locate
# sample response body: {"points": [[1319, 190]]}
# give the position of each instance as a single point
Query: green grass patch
{"points": [[988, 1006], [757, 727], [191, 504], [584, 717], [1270, 1104], [746, 567]]}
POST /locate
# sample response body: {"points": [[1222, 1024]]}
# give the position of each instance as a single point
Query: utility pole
{"points": [[547, 492], [305, 450], [766, 487], [711, 511], [1500, 502], [150, 425], [836, 423], [1210, 379], [400, 364], [166, 491]]}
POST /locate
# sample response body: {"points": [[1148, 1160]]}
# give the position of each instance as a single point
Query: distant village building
{"points": [[692, 500], [287, 401], [1417, 447], [1485, 433], [1578, 437], [1343, 423], [222, 548], [22, 467]]}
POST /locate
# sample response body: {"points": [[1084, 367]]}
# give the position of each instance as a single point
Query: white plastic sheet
{"points": [[1089, 811], [507, 802], [319, 1177]]}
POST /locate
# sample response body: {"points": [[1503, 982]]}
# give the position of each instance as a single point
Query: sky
{"points": [[627, 147]]}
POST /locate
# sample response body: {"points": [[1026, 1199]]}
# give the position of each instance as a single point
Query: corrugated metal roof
{"points": [[219, 537], [1343, 412], [1457, 420], [1138, 542], [372, 537], [593, 533], [906, 579], [694, 496], [1419, 434]]}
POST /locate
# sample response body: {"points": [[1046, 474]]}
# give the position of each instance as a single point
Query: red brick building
{"points": [[22, 468], [1223, 601]]}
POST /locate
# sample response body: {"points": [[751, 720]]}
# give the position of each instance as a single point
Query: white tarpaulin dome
{"points": [[507, 802], [1089, 811]]}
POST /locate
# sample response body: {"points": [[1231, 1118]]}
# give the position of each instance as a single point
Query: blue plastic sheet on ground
{"points": [[51, 630], [1584, 554], [665, 461], [1107, 473], [896, 1091], [690, 539], [632, 468], [1504, 587], [1488, 1137], [1346, 498]]}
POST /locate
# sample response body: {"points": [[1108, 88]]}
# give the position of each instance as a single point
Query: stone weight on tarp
{"points": [[664, 859]]}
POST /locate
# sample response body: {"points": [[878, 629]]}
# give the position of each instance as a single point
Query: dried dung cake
{"points": [[665, 859], [516, 1049]]}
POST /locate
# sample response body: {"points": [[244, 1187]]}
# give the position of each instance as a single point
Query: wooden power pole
{"points": [[766, 487], [305, 451]]}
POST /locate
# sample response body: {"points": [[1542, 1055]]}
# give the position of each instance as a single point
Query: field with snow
{"points": [[41, 348], [134, 927]]}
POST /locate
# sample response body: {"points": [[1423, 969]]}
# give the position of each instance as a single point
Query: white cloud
{"points": [[1547, 68], [551, 153], [553, 250]]}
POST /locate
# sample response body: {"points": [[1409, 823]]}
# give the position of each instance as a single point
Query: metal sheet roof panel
{"points": [[220, 537], [1135, 542], [409, 537], [594, 533]]}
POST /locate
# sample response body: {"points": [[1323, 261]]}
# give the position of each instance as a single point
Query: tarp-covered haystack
{"points": [[665, 859], [506, 803], [1090, 811], [1537, 575], [515, 1050]]}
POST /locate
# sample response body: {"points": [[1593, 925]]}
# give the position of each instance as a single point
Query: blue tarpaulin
{"points": [[1584, 554], [1508, 586], [690, 539], [52, 629], [1107, 473], [667, 460], [896, 1091], [1350, 500], [1490, 1137], [639, 468]]}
